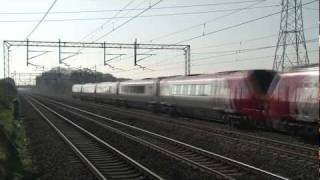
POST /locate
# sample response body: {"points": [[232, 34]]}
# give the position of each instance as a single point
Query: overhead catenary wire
{"points": [[143, 16], [236, 25], [256, 19], [176, 64], [134, 9], [41, 20], [109, 20], [206, 22], [250, 49], [247, 40], [245, 59], [246, 22], [137, 15], [129, 20], [207, 58]]}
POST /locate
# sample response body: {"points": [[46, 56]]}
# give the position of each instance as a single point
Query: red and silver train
{"points": [[293, 101], [261, 98]]}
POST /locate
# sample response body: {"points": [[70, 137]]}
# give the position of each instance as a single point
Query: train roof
{"points": [[139, 81], [307, 67], [312, 70], [106, 83], [218, 75], [76, 85]]}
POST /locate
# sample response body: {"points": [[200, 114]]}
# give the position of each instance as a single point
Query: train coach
{"points": [[293, 103], [261, 98], [235, 96]]}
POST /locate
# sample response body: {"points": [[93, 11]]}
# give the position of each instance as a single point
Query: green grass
{"points": [[11, 162], [15, 162]]}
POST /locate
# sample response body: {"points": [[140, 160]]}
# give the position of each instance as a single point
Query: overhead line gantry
{"points": [[7, 44]]}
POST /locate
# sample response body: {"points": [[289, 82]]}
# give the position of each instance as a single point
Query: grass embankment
{"points": [[15, 163], [14, 159]]}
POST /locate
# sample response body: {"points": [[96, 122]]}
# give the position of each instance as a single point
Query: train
{"points": [[288, 102]]}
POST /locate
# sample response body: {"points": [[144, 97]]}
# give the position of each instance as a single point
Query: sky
{"points": [[216, 48]]}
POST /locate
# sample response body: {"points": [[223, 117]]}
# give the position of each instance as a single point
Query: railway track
{"points": [[293, 151], [102, 159], [220, 166]]}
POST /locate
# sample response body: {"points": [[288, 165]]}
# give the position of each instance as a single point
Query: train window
{"points": [[207, 89], [173, 90], [201, 90], [178, 90], [193, 90], [134, 89], [185, 89]]}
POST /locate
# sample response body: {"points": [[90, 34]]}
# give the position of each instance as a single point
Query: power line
{"points": [[206, 22], [230, 61], [253, 20], [137, 15], [240, 24], [127, 5], [236, 25], [250, 49], [133, 9], [245, 59], [144, 16], [207, 58], [247, 40], [201, 24], [202, 64], [233, 52], [236, 42], [44, 16]]}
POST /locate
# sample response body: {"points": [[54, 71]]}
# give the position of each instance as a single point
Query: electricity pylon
{"points": [[291, 38]]}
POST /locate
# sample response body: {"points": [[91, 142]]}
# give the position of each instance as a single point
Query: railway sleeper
{"points": [[195, 157], [131, 177], [115, 162], [201, 159], [118, 171], [98, 159], [111, 166], [214, 165], [125, 168], [129, 173]]}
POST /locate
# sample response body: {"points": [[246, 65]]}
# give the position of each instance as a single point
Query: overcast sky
{"points": [[210, 53]]}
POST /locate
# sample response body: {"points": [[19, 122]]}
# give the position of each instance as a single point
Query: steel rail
{"points": [[96, 171], [292, 150], [242, 165]]}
